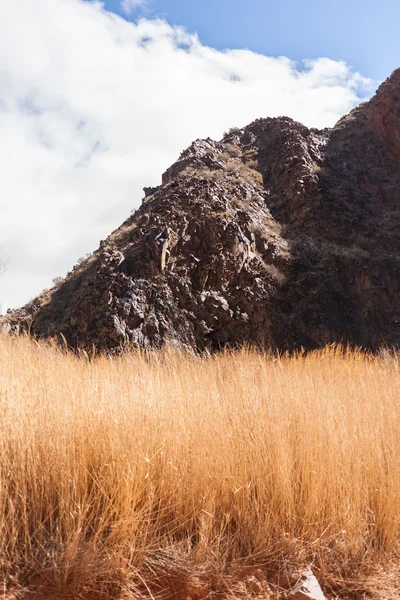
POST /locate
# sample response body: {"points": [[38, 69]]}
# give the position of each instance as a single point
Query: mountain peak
{"points": [[384, 113]]}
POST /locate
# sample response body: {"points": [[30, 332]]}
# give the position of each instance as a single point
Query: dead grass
{"points": [[166, 472]]}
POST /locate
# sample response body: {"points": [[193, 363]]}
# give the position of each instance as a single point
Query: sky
{"points": [[98, 99], [364, 33]]}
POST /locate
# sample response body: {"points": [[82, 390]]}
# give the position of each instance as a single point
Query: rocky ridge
{"points": [[277, 235]]}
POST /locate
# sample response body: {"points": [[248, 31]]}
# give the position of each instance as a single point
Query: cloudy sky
{"points": [[98, 99]]}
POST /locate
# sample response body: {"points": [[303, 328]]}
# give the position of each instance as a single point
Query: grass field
{"points": [[164, 473]]}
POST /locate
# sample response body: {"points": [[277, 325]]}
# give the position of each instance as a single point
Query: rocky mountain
{"points": [[277, 235]]}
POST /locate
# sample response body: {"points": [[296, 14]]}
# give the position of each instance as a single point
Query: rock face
{"points": [[277, 235]]}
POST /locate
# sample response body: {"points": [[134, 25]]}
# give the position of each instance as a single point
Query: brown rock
{"points": [[253, 585], [277, 235], [259, 574]]}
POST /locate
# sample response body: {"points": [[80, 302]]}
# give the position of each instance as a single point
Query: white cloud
{"points": [[93, 108], [130, 6]]}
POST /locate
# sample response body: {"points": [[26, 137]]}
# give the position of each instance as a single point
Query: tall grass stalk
{"points": [[114, 471]]}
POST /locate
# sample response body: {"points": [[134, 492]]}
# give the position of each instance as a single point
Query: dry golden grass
{"points": [[117, 473]]}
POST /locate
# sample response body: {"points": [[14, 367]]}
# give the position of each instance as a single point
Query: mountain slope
{"points": [[277, 235]]}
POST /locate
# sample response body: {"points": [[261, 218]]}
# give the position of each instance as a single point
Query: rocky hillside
{"points": [[277, 235]]}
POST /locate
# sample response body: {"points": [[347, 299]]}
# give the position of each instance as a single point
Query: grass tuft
{"points": [[152, 471]]}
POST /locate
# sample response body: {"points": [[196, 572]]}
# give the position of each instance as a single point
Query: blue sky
{"points": [[364, 33]]}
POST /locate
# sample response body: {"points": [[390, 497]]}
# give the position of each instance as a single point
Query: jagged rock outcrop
{"points": [[277, 235]]}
